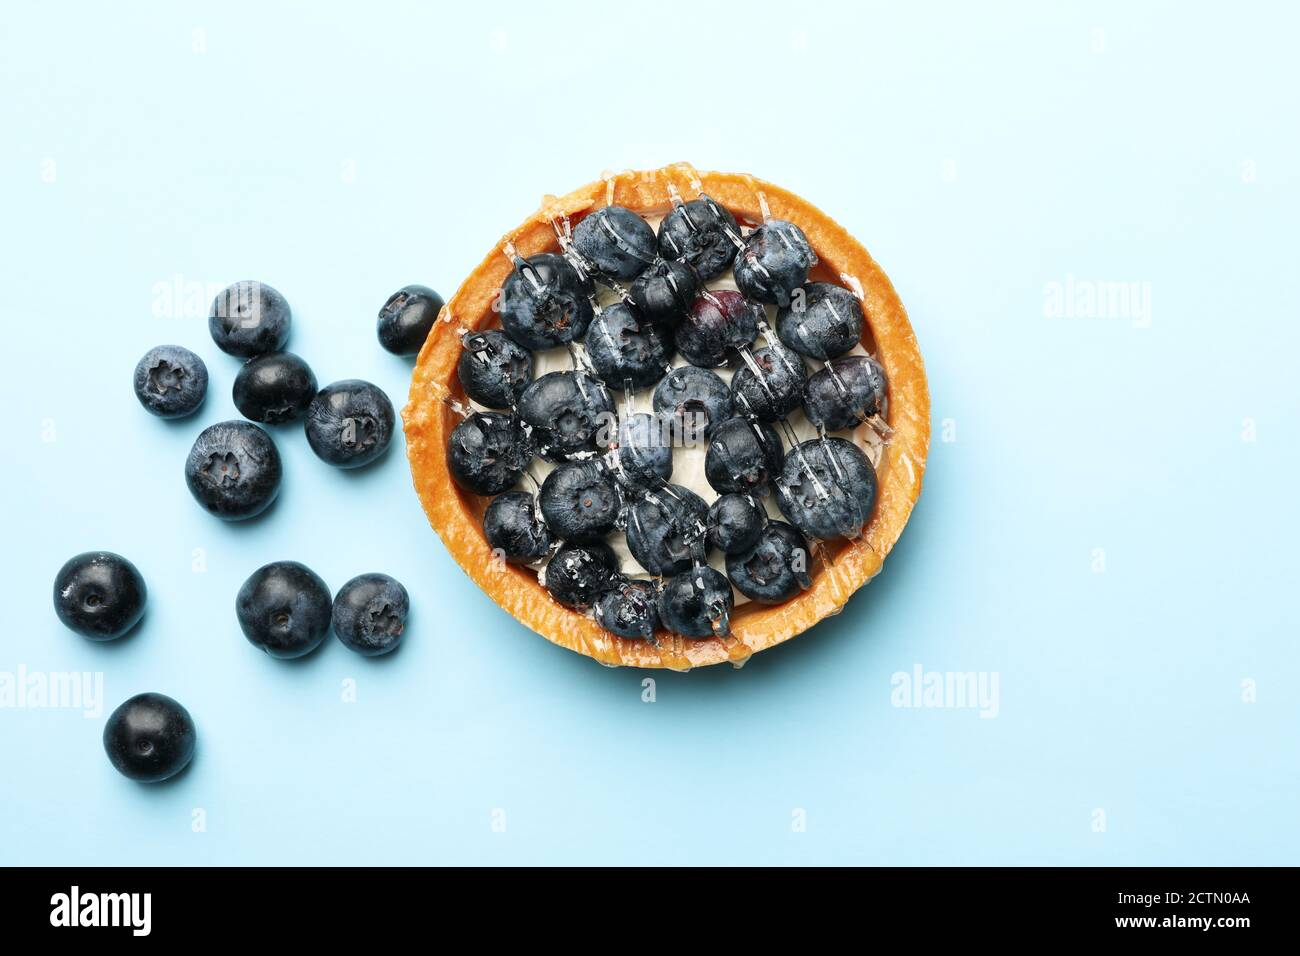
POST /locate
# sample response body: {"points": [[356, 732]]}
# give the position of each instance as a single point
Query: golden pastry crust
{"points": [[456, 515]]}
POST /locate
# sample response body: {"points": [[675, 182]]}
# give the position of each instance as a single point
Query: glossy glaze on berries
{"points": [[150, 738], [544, 302], [822, 321], [284, 608], [772, 387], [735, 522], [743, 456], [274, 388], [170, 382], [515, 530], [626, 350], [845, 392], [249, 318], [827, 488], [350, 423], [234, 470], [569, 413], [630, 608], [666, 529], [618, 242], [665, 290], [488, 452], [701, 233], [774, 262], [99, 595], [717, 324], [493, 369], [579, 500], [578, 574], [696, 602], [370, 613], [407, 318], [644, 455], [775, 568], [693, 401]]}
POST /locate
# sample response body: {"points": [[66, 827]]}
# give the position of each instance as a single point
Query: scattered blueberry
{"points": [[662, 527], [494, 370], [774, 262], [827, 488], [407, 318], [569, 412], [579, 500], [171, 382], [488, 452], [776, 390], [369, 614], [618, 242], [150, 738], [350, 423], [717, 324], [234, 470], [822, 323], [665, 291], [743, 456], [249, 318], [700, 232], [775, 569], [514, 528], [579, 573], [284, 608], [845, 392], [100, 595], [629, 609], [274, 388], [544, 302], [625, 349], [735, 522], [644, 455], [693, 401], [696, 603]]}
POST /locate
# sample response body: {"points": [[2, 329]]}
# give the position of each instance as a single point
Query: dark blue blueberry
{"points": [[407, 318], [743, 456], [775, 569], [618, 242], [644, 455], [822, 322], [274, 388], [150, 738], [494, 370], [666, 527], [580, 573], [625, 349], [717, 324], [735, 522], [544, 302], [774, 262], [100, 595], [692, 400], [665, 291], [776, 390], [827, 488], [234, 470], [369, 614], [697, 603], [350, 423], [284, 608], [514, 528], [579, 500], [488, 452], [569, 412], [171, 382], [629, 609], [700, 232], [845, 392], [249, 318]]}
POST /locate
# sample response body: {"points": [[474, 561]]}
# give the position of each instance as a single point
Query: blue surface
{"points": [[981, 156]]}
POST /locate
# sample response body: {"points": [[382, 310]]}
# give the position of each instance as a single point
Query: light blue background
{"points": [[979, 153]]}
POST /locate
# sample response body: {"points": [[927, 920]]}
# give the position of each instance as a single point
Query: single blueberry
{"points": [[664, 527], [821, 321], [284, 608], [580, 573], [488, 452], [274, 388], [697, 603], [100, 595], [693, 401], [629, 609], [618, 242], [717, 324], [625, 349], [702, 233], [775, 568], [644, 455], [845, 392], [774, 262], [579, 500], [350, 423], [665, 291], [770, 388], [744, 455], [544, 302], [150, 738], [514, 528], [407, 318], [493, 369], [569, 413], [234, 470], [171, 382], [827, 488], [249, 318], [370, 613], [735, 522]]}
